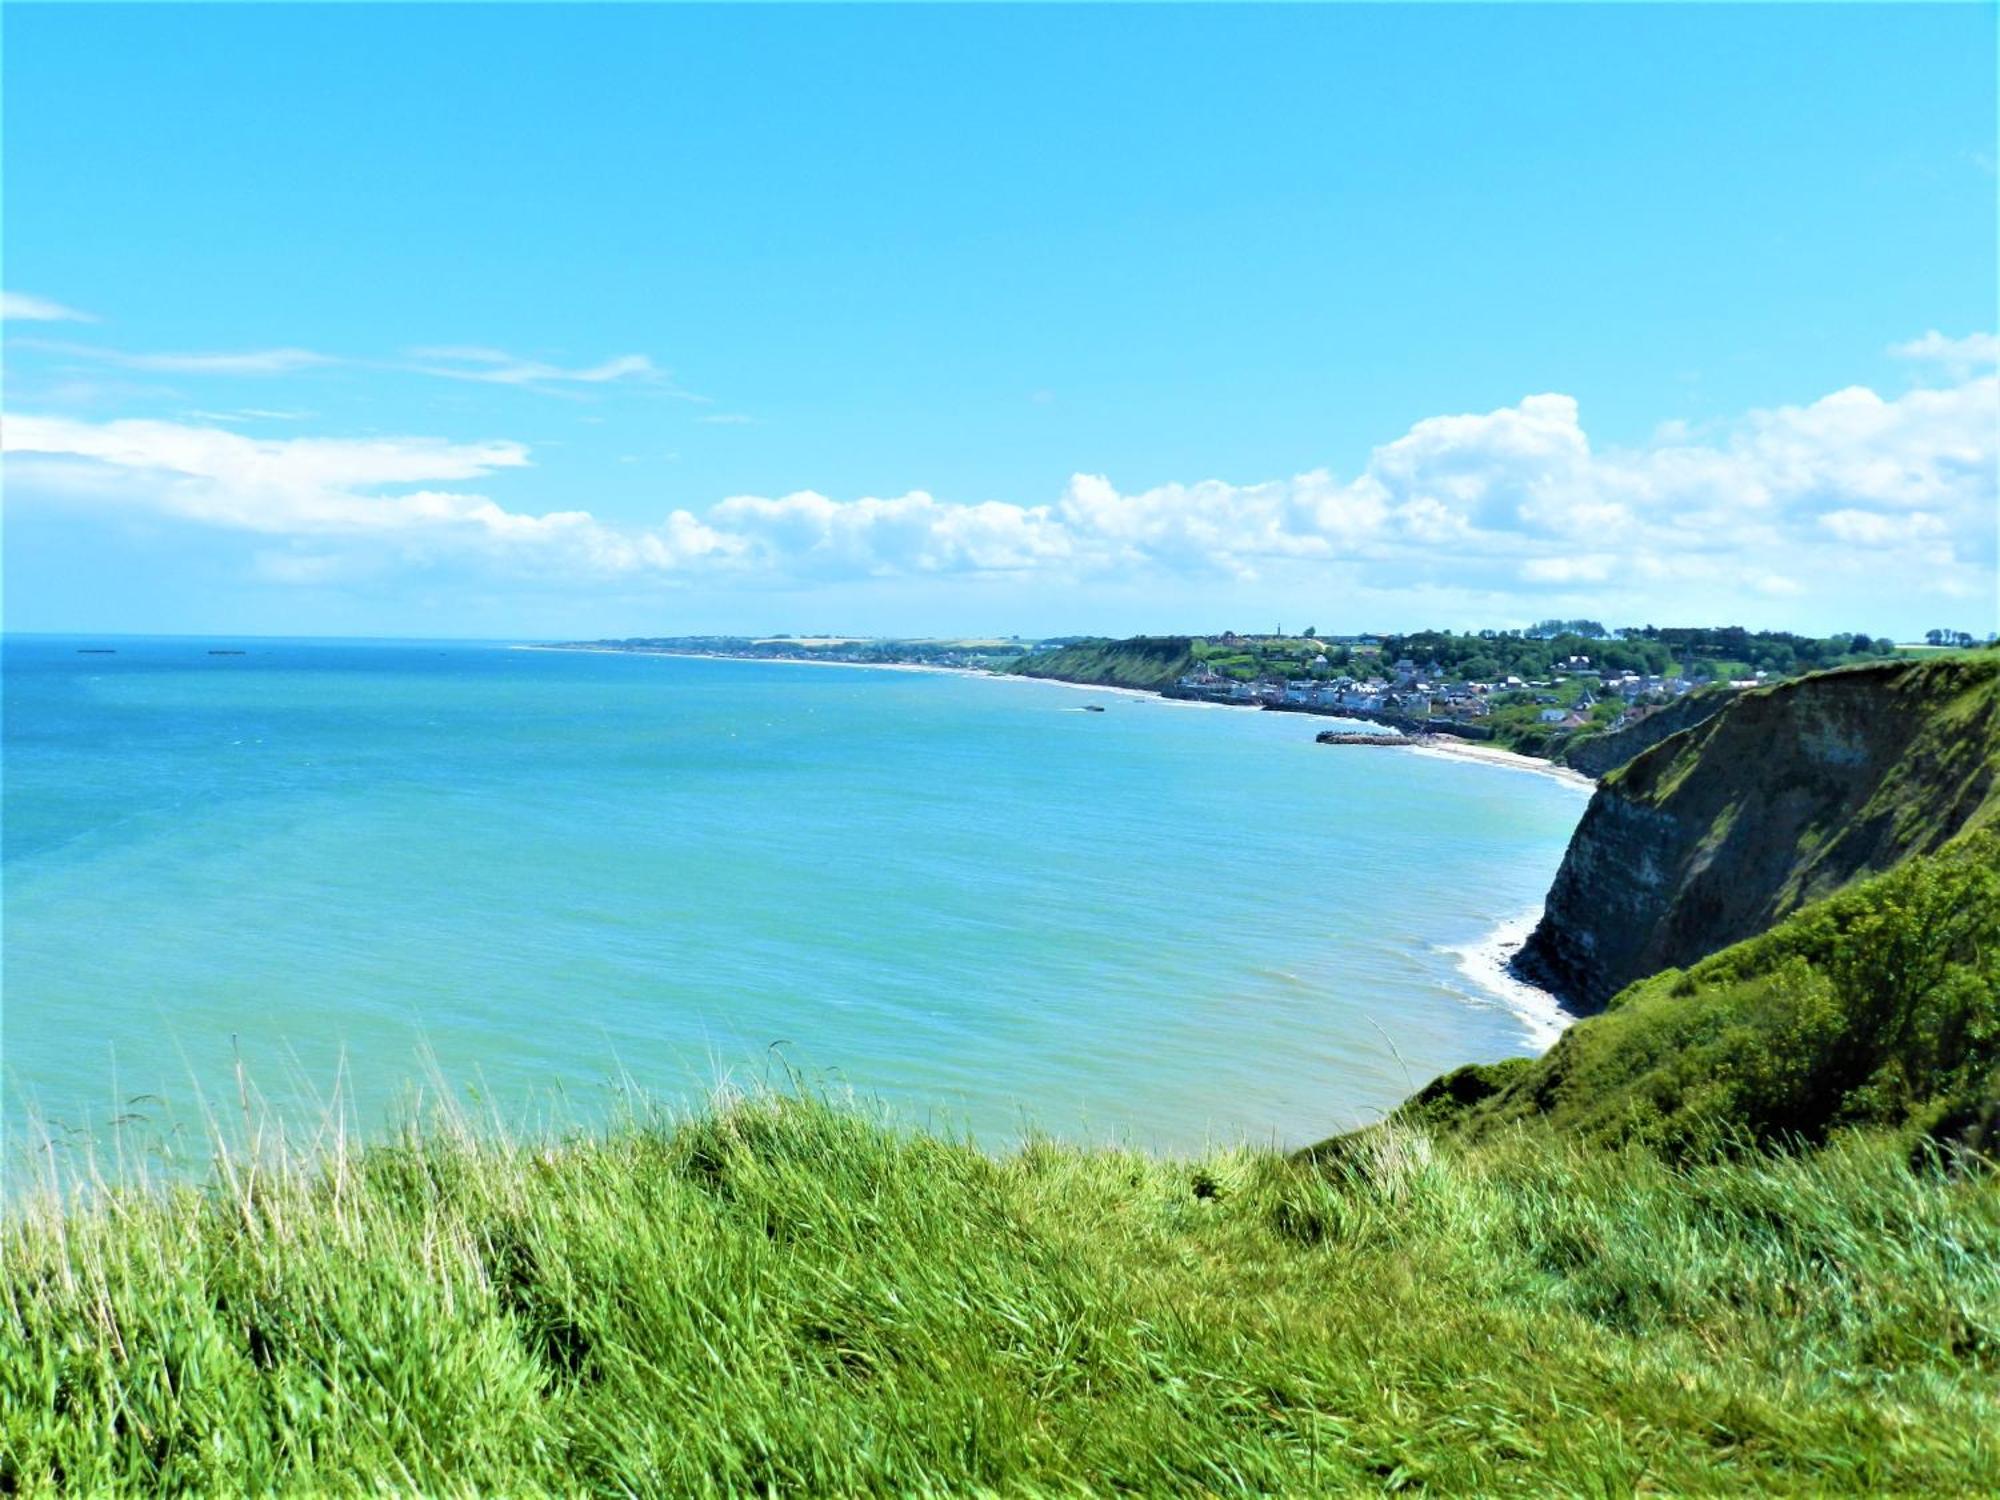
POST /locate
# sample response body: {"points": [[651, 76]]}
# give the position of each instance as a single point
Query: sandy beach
{"points": [[1493, 755]]}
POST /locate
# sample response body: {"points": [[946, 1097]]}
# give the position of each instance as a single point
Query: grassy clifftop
{"points": [[1144, 661], [791, 1298]]}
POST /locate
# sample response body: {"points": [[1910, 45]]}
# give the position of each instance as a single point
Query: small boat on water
{"points": [[1093, 708], [228, 653], [96, 650]]}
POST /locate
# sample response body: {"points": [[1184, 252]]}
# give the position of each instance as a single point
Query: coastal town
{"points": [[1555, 689], [1566, 690], [1405, 693]]}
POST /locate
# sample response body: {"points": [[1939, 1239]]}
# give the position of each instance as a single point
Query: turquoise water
{"points": [[1163, 923]]}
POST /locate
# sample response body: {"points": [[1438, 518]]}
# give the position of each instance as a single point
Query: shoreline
{"points": [[1494, 755], [1455, 748], [782, 661], [1486, 964], [865, 666], [1444, 745]]}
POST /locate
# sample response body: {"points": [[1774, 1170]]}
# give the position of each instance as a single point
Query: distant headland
{"points": [[1569, 692]]}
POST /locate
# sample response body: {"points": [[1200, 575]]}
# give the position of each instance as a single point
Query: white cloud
{"points": [[334, 489], [1854, 497], [20, 307], [1973, 352], [282, 486]]}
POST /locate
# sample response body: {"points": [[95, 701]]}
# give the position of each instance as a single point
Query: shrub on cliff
{"points": [[1141, 662], [1877, 1006]]}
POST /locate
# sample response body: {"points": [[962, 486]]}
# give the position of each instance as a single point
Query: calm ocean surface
{"points": [[1162, 924]]}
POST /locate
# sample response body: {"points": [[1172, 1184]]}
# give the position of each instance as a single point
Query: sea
{"points": [[360, 879]]}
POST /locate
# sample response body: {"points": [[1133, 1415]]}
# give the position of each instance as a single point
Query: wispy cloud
{"points": [[239, 362], [497, 367], [455, 362], [247, 362], [20, 307], [249, 414], [726, 419]]}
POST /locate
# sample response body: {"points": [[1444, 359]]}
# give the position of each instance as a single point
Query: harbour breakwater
{"points": [[1409, 724], [1394, 741]]}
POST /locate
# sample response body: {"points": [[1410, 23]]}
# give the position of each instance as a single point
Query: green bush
{"points": [[1877, 1006]]}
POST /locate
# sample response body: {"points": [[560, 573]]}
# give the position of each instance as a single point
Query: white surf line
{"points": [[1483, 963]]}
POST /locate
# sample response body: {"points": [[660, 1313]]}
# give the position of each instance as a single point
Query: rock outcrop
{"points": [[1786, 795]]}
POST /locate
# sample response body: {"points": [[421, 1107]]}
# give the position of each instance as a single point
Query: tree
{"points": [[1311, 631]]}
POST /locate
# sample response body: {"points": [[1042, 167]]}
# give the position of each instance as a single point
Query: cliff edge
{"points": [[1599, 754], [1788, 794], [1144, 661]]}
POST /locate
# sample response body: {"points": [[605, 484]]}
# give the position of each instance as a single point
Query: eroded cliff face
{"points": [[1599, 754], [1783, 797]]}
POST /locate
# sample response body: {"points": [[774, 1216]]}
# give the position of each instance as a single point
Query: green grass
{"points": [[788, 1296]]}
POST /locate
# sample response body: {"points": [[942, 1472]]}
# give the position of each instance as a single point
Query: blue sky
{"points": [[523, 321]]}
